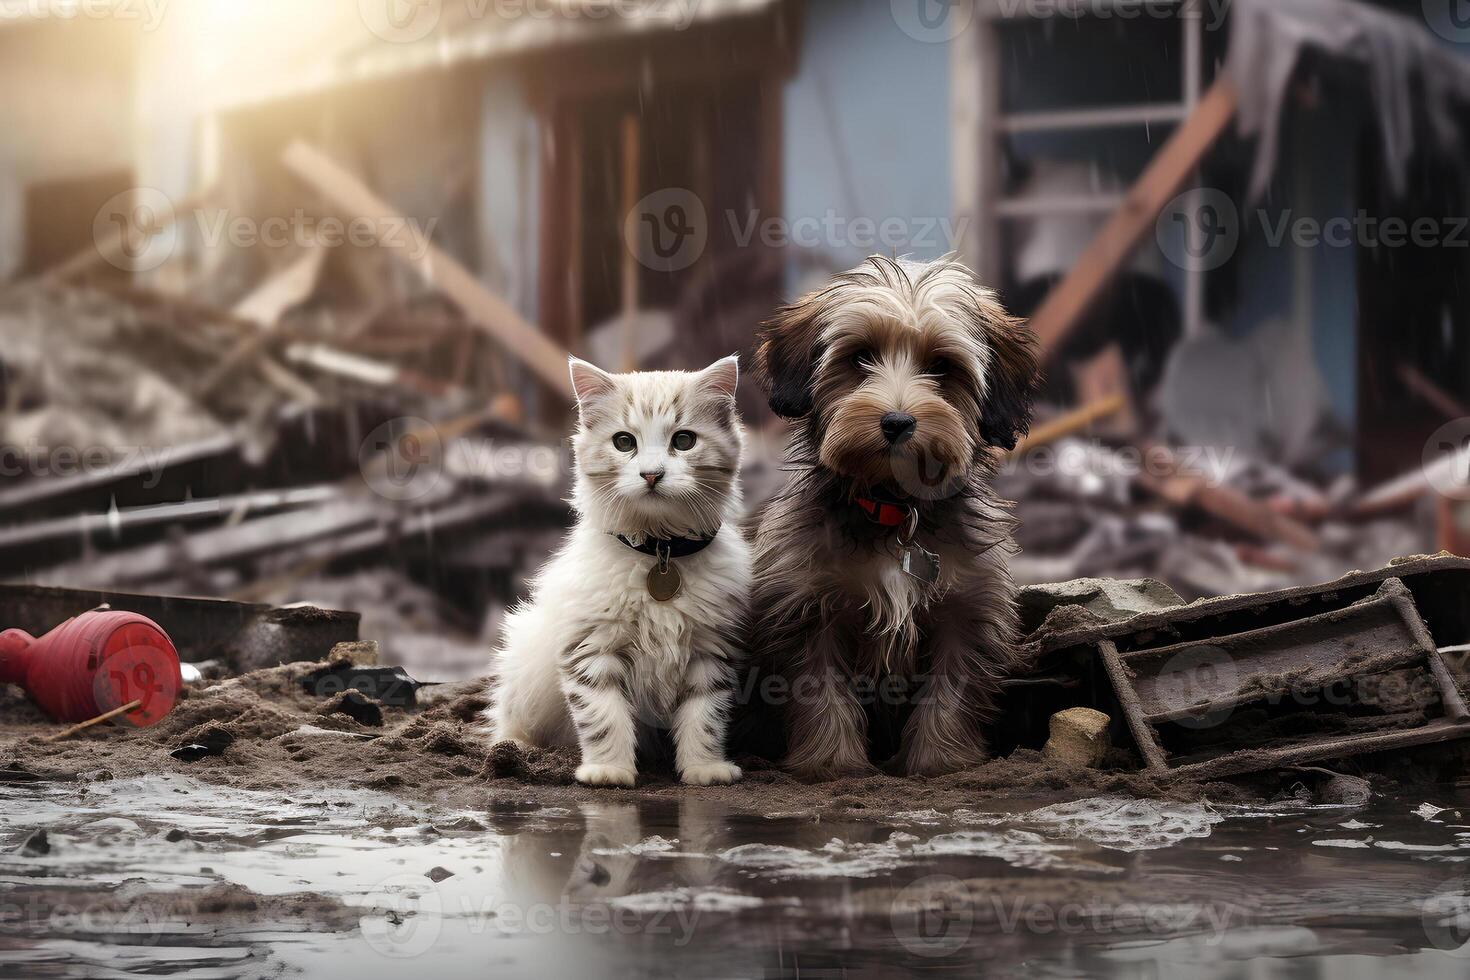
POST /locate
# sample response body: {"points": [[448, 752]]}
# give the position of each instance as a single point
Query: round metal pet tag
{"points": [[664, 581]]}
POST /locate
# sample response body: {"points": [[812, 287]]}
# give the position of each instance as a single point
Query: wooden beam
{"points": [[632, 136], [282, 289], [488, 311], [1167, 478], [1146, 200], [1071, 423]]}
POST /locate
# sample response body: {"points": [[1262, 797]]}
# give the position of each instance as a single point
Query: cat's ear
{"points": [[723, 376], [589, 381]]}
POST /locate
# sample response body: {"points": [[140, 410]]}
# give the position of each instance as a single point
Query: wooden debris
{"points": [[1146, 200], [1071, 423], [492, 314], [91, 723]]}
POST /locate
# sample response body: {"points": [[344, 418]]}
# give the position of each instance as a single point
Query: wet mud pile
{"points": [[265, 731]]}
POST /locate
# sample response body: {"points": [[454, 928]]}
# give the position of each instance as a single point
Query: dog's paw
{"points": [[935, 764], [597, 775], [711, 774]]}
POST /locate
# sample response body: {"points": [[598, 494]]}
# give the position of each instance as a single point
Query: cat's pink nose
{"points": [[651, 477]]}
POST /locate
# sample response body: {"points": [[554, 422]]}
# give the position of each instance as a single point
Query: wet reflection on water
{"points": [[166, 877]]}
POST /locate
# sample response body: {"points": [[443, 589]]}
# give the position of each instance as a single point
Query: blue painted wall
{"points": [[510, 192], [870, 102]]}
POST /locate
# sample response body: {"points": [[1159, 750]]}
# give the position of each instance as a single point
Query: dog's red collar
{"points": [[884, 513]]}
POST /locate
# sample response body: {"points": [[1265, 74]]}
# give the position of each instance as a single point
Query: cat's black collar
{"points": [[671, 547]]}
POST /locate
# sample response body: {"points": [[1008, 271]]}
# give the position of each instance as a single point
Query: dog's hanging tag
{"points": [[916, 560], [664, 582], [921, 563]]}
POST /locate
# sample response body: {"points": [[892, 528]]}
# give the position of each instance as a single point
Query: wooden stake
{"points": [[130, 706], [1071, 423], [1146, 200], [632, 168]]}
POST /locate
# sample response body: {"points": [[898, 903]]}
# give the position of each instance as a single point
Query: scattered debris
{"points": [[36, 845], [437, 875], [357, 707], [388, 685], [1251, 683], [209, 743], [1340, 790]]}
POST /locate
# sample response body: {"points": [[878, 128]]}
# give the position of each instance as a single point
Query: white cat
{"points": [[640, 615]]}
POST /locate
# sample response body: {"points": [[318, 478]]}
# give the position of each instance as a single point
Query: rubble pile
{"points": [[154, 444], [1091, 507]]}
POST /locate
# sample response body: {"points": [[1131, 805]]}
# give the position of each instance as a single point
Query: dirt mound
{"points": [[285, 739]]}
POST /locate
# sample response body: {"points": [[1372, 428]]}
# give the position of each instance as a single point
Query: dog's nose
{"points": [[651, 477], [897, 426]]}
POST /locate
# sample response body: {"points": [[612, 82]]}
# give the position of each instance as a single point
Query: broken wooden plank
{"points": [[1226, 503], [1071, 423], [118, 520], [1073, 296], [202, 629], [490, 312], [284, 289], [1442, 401], [367, 370]]}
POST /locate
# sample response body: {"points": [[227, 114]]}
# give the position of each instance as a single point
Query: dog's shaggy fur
{"points": [[837, 619]]}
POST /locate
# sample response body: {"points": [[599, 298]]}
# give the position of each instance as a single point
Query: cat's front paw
{"points": [[711, 774], [599, 775]]}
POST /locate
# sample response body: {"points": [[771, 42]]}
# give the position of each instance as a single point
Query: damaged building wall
{"points": [[73, 125], [510, 147], [856, 145]]}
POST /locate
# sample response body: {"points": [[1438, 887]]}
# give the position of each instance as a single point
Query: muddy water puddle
{"points": [[168, 877]]}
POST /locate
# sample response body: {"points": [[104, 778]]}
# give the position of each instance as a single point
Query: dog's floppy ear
{"points": [[787, 357], [1013, 376]]}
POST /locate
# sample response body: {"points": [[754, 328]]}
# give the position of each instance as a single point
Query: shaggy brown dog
{"points": [[882, 595]]}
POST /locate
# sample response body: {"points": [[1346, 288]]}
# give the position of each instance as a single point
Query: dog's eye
{"points": [[683, 440], [624, 442], [861, 360], [938, 367]]}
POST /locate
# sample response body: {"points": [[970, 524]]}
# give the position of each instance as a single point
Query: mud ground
{"points": [[288, 740]]}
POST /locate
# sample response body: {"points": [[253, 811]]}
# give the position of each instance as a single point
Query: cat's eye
{"points": [[624, 442], [683, 440]]}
